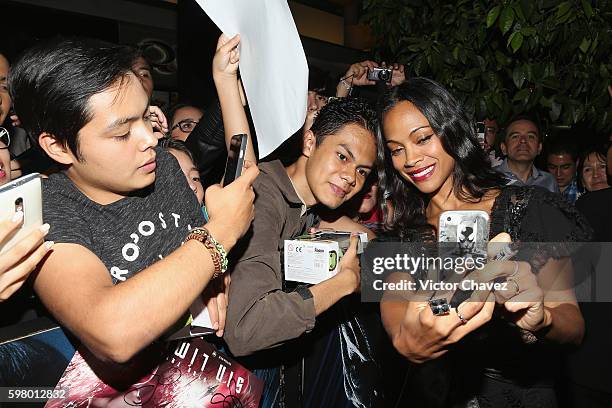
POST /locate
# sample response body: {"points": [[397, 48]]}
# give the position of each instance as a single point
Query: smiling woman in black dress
{"points": [[431, 162]]}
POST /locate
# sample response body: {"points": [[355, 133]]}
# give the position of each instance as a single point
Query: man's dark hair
{"points": [[341, 112], [52, 83], [531, 118], [563, 146]]}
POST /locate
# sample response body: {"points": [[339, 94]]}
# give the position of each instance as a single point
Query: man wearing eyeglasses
{"points": [[184, 120]]}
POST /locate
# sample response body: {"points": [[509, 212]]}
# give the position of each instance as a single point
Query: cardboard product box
{"points": [[315, 258]]}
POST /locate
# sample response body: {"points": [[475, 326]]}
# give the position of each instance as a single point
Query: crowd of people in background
{"points": [[137, 227]]}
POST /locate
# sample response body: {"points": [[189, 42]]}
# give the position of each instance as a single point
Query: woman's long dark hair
{"points": [[472, 173]]}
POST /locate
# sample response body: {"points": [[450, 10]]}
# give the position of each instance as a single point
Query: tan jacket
{"points": [[260, 315]]}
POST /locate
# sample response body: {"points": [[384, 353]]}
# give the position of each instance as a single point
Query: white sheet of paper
{"points": [[273, 66], [200, 314]]}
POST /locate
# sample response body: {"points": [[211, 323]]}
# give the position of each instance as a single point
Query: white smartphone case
{"points": [[24, 193], [469, 229]]}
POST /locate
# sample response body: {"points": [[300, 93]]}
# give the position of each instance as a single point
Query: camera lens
{"points": [[385, 75]]}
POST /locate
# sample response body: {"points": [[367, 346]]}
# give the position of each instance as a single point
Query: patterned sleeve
{"points": [[560, 221], [552, 227]]}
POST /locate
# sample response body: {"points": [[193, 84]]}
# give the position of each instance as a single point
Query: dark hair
{"points": [[179, 105], [563, 146], [601, 153], [341, 112], [472, 173], [528, 117], [52, 83], [168, 143], [138, 52]]}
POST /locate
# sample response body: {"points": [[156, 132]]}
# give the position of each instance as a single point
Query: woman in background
{"points": [[592, 169]]}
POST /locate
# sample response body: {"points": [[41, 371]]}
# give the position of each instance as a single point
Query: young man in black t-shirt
{"points": [[118, 276]]}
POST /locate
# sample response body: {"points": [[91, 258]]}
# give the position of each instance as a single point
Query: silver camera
{"points": [[380, 74]]}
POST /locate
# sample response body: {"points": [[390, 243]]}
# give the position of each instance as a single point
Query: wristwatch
{"points": [[217, 252]]}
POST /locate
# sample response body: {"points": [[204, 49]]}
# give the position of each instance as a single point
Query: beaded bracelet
{"points": [[346, 85], [217, 252]]}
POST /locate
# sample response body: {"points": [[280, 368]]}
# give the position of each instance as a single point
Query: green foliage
{"points": [[505, 57]]}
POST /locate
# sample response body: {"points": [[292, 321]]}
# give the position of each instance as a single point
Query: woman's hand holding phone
{"points": [[20, 260], [521, 296], [424, 336]]}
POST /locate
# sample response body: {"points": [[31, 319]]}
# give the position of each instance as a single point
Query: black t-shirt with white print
{"points": [[131, 234]]}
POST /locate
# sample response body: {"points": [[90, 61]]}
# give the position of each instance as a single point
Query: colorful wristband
{"points": [[217, 252]]}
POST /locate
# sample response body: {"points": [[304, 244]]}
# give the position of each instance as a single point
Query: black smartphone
{"points": [[235, 158]]}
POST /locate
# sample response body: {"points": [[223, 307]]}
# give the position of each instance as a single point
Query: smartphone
{"points": [[480, 133], [23, 194], [462, 236], [467, 230], [235, 158]]}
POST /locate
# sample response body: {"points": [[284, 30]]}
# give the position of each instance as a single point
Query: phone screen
{"points": [[480, 132], [235, 158]]}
